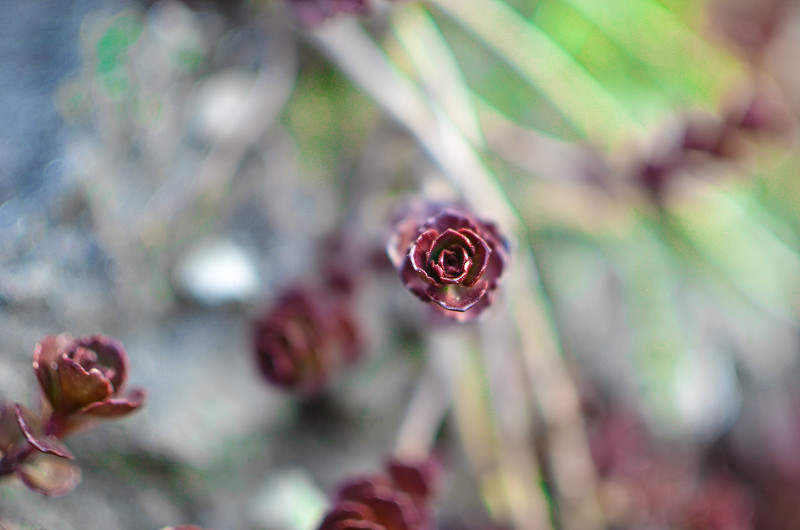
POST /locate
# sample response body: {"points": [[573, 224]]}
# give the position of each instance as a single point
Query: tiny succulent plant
{"points": [[449, 258], [301, 340], [395, 500], [81, 381]]}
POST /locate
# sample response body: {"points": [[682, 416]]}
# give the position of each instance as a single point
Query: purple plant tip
{"points": [[85, 376], [304, 337], [448, 257], [397, 500]]}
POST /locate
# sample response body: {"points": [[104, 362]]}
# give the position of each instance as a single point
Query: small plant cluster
{"points": [[309, 333], [697, 140], [445, 256], [542, 458], [81, 382], [649, 484], [395, 500]]}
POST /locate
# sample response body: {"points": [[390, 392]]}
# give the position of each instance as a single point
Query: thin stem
{"points": [[554, 390], [14, 458], [508, 475], [434, 394], [508, 387]]}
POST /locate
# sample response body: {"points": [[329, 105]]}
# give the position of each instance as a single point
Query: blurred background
{"points": [[168, 168]]}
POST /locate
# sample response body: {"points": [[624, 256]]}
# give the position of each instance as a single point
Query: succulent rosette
{"points": [[84, 378], [81, 380], [448, 257], [397, 500], [304, 337]]}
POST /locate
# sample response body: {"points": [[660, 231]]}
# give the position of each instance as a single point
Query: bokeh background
{"points": [[168, 168]]}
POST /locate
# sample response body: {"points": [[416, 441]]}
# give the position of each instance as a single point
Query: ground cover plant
{"points": [[405, 265]]}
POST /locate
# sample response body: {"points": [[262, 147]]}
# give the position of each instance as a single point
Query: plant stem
{"points": [[434, 394], [14, 458]]}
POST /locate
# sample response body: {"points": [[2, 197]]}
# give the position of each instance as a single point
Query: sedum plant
{"points": [[81, 382], [573, 285]]}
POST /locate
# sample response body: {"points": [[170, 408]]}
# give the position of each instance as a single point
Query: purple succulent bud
{"points": [[84, 377], [447, 257], [301, 340], [395, 501]]}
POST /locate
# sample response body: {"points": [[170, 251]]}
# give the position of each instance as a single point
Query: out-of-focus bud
{"points": [[304, 337], [397, 500]]}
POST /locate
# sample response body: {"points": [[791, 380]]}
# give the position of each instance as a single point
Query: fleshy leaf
{"points": [[31, 427], [413, 281], [451, 219], [50, 476], [393, 509], [112, 359], [480, 259], [457, 297], [45, 356], [450, 238], [416, 480], [119, 406], [80, 388], [420, 253]]}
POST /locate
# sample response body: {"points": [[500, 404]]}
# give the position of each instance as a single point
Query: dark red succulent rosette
{"points": [[83, 379], [397, 500], [304, 337], [450, 259]]}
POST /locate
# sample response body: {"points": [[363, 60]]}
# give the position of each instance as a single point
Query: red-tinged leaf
{"points": [[110, 357], [420, 254], [116, 407], [45, 365], [80, 388], [457, 297], [50, 476], [31, 426]]}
